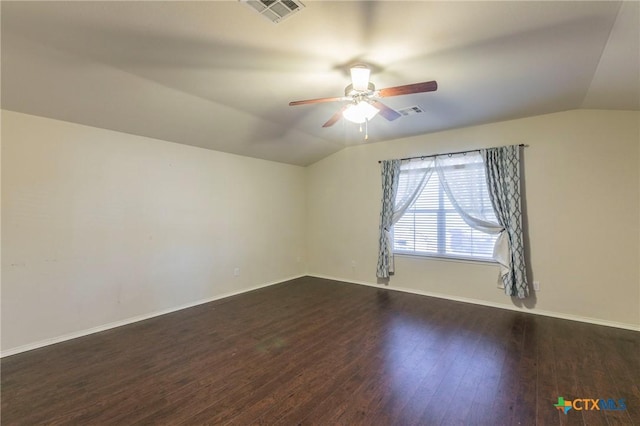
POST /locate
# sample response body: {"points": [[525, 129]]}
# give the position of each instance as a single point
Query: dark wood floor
{"points": [[314, 351]]}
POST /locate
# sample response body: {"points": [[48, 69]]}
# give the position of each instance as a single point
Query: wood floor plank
{"points": [[463, 396], [450, 374], [547, 391], [315, 351], [492, 355]]}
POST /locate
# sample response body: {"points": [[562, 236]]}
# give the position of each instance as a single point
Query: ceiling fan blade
{"points": [[334, 118], [385, 111], [317, 101], [427, 86]]}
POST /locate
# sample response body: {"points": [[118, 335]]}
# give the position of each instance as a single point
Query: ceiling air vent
{"points": [[275, 10], [411, 110]]}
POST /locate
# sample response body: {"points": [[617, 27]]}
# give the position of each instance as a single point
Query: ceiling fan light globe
{"points": [[360, 77], [360, 112]]}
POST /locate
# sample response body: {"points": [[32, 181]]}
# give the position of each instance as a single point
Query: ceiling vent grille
{"points": [[411, 110], [275, 10]]}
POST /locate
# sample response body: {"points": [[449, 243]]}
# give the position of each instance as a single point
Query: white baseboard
{"points": [[552, 314], [86, 332]]}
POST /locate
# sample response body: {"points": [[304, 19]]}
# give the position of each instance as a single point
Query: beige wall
{"points": [[582, 194], [100, 227]]}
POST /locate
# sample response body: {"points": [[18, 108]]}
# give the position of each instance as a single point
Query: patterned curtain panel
{"points": [[503, 178], [390, 179]]}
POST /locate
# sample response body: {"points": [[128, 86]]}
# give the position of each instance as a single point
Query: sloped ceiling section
{"points": [[219, 76], [616, 82]]}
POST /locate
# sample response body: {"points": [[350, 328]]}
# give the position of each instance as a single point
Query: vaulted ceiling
{"points": [[218, 75]]}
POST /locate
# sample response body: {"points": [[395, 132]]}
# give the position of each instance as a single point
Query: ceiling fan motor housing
{"points": [[350, 91]]}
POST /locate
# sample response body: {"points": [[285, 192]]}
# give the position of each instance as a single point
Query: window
{"points": [[432, 227]]}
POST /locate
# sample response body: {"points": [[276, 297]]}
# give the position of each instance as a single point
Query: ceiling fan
{"points": [[363, 98]]}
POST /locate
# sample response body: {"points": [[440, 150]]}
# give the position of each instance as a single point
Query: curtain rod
{"points": [[447, 153]]}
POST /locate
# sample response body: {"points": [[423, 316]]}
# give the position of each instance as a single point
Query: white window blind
{"points": [[432, 227]]}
